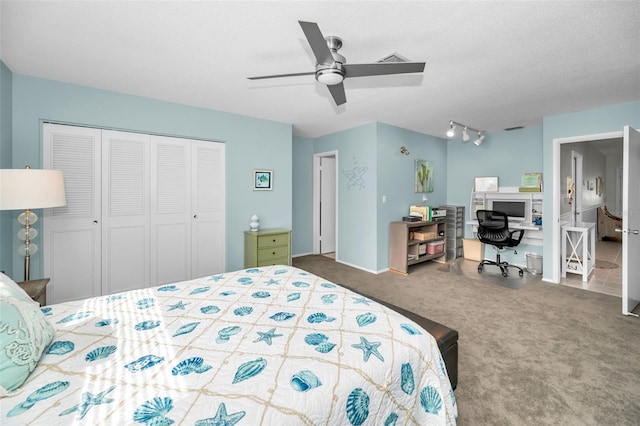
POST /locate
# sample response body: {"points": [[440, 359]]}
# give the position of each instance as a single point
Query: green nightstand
{"points": [[267, 247]]}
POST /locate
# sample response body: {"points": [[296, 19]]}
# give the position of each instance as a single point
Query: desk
{"points": [[578, 249]]}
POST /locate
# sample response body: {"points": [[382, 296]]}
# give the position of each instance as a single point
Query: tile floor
{"points": [[608, 281]]}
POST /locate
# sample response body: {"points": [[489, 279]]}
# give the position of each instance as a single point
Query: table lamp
{"points": [[26, 189]]}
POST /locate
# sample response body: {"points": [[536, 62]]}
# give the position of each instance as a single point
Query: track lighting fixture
{"points": [[452, 130], [465, 132], [465, 135]]}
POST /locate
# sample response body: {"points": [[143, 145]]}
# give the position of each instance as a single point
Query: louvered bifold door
{"points": [[170, 217], [208, 211], [71, 240], [125, 211]]}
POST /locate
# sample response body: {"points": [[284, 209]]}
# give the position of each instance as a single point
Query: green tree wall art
{"points": [[424, 176]]}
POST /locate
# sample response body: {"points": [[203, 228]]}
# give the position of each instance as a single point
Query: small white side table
{"points": [[578, 249]]}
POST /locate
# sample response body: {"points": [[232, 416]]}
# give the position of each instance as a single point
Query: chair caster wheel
{"points": [[521, 273], [479, 268], [504, 274]]}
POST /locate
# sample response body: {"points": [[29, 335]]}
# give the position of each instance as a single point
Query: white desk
{"points": [[578, 248]]}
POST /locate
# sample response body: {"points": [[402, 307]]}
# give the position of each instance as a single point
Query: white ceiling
{"points": [[490, 64]]}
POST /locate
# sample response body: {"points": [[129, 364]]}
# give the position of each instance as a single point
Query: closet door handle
{"points": [[95, 221], [195, 216]]}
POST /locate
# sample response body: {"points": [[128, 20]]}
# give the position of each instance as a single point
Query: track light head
{"points": [[452, 130], [479, 140], [465, 135]]}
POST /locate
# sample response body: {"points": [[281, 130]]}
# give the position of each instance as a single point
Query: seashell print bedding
{"points": [[260, 346]]}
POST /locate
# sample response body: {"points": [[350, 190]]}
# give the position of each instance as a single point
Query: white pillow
{"points": [[8, 287]]}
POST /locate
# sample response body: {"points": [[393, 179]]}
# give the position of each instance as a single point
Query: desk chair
{"points": [[493, 229]]}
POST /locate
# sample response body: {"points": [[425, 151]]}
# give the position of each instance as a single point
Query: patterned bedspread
{"points": [[261, 346]]}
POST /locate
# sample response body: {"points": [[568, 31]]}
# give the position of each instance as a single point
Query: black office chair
{"points": [[493, 229]]}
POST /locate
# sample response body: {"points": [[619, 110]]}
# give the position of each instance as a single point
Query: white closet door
{"points": [[170, 218], [125, 212], [208, 230], [72, 237]]}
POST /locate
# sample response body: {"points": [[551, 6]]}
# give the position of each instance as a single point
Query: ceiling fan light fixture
{"points": [[329, 77]]}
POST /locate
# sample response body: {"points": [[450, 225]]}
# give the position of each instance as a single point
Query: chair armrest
{"points": [[520, 235]]}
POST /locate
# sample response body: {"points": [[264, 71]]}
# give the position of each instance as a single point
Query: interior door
{"points": [[630, 221], [327, 205], [576, 171], [170, 218], [208, 208], [125, 211], [72, 234]]}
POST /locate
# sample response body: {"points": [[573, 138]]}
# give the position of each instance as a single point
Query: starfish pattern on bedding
{"points": [[267, 337], [88, 401], [368, 349], [272, 282], [180, 305], [222, 418], [217, 278], [362, 300]]}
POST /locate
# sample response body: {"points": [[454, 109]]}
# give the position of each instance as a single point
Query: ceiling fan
{"points": [[332, 67]]}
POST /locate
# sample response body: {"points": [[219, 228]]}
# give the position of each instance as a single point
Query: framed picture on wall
{"points": [[486, 184], [262, 180]]}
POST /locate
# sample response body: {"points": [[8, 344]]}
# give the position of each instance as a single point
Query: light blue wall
{"points": [[6, 79], [253, 143], [250, 143], [396, 178], [605, 119], [505, 154], [302, 235], [357, 176], [370, 165]]}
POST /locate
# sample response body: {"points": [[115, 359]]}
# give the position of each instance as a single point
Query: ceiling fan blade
{"points": [[317, 42], [282, 75], [337, 91], [382, 68]]}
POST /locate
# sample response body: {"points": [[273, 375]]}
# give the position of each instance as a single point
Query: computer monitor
{"points": [[516, 210]]}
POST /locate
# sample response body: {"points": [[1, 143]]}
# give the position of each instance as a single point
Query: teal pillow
{"points": [[24, 334], [8, 287]]}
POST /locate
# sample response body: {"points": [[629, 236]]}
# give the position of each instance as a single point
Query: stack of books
{"points": [[531, 182]]}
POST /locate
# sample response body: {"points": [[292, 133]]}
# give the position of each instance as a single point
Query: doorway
{"points": [[325, 204], [569, 160]]}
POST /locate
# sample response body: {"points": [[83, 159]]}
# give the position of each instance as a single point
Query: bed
{"points": [[262, 346]]}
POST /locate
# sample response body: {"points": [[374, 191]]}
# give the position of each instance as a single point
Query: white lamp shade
{"points": [[22, 189]]}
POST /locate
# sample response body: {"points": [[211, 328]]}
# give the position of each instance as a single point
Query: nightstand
{"points": [[267, 247], [36, 289]]}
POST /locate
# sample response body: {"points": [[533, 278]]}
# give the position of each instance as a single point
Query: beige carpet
{"points": [[542, 354]]}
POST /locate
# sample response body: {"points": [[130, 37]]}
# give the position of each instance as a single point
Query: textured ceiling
{"points": [[490, 64]]}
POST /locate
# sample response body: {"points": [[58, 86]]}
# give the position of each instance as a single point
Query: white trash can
{"points": [[534, 263]]}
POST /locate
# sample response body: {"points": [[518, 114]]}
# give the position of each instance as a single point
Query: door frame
{"points": [[576, 175], [555, 236], [316, 199]]}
